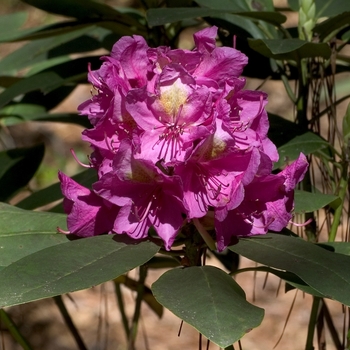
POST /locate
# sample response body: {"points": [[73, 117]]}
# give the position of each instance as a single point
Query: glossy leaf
{"points": [[24, 232], [18, 166], [307, 202], [162, 16], [289, 49], [53, 192], [322, 270], [71, 266], [307, 143], [209, 300]]}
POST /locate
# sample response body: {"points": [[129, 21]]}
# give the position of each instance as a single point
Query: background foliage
{"points": [[36, 262]]}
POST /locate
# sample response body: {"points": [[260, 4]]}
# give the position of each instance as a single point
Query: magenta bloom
{"points": [[176, 138], [267, 205], [88, 214]]}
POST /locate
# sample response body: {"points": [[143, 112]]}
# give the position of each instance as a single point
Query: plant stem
{"points": [[12, 328], [67, 319], [136, 317], [312, 324], [343, 186], [120, 302]]}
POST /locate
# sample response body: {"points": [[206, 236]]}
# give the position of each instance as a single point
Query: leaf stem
{"points": [[12, 328]]}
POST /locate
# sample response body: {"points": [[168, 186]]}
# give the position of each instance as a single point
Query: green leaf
{"points": [[289, 49], [53, 192], [346, 126], [25, 232], [162, 16], [332, 25], [18, 112], [282, 130], [83, 10], [330, 8], [230, 5], [290, 278], [37, 50], [308, 202], [10, 23], [71, 266], [322, 270], [42, 81], [337, 247], [209, 300], [325, 8], [307, 143], [17, 167]]}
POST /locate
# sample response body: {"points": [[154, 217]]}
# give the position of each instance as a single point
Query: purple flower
{"points": [[175, 138], [267, 205], [148, 197], [88, 214]]}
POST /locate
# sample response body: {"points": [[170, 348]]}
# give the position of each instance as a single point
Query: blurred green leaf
{"points": [[10, 23], [17, 167], [322, 270], [325, 8], [332, 25], [307, 143], [37, 50], [289, 49], [46, 64], [25, 232], [71, 266], [6, 81], [162, 16], [42, 81], [53, 192], [83, 10], [307, 202], [226, 317], [19, 112], [330, 8]]}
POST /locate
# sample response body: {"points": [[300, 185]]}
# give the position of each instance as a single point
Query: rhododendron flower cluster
{"points": [[176, 139]]}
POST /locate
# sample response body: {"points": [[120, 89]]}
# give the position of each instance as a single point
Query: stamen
{"points": [[78, 161], [301, 225], [62, 231]]}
